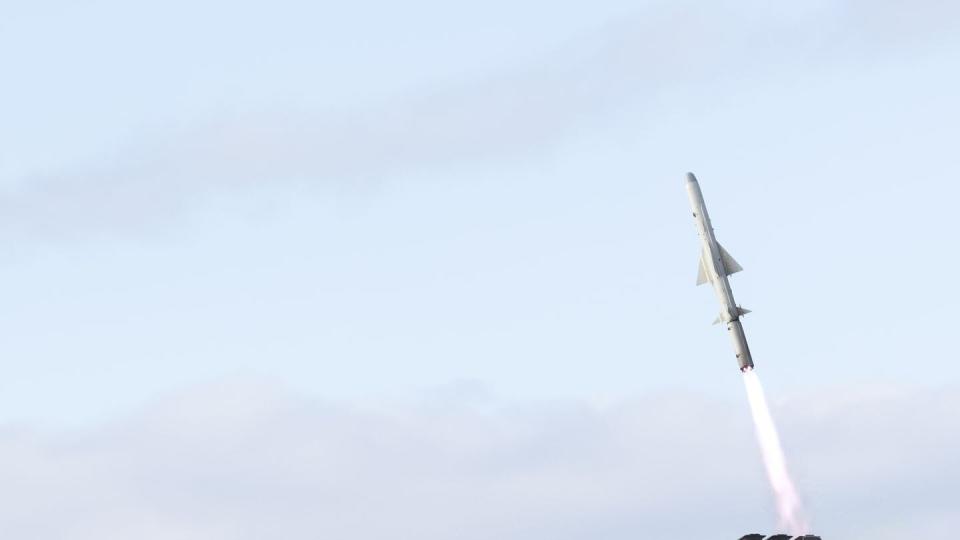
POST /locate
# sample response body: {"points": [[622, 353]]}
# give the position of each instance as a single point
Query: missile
{"points": [[715, 265]]}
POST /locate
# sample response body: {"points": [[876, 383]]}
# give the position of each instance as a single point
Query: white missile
{"points": [[715, 265]]}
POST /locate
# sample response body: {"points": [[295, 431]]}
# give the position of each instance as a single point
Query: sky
{"points": [[426, 269]]}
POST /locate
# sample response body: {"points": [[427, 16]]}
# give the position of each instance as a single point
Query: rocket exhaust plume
{"points": [[789, 508]]}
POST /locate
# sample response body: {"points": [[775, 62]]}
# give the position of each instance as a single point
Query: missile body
{"points": [[715, 265]]}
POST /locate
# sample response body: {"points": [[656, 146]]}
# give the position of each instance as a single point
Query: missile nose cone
{"points": [[691, 177]]}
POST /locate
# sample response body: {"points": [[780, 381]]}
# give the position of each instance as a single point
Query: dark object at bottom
{"points": [[779, 537]]}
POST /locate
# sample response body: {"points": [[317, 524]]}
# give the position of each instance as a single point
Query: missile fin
{"points": [[740, 311], [702, 273], [730, 265]]}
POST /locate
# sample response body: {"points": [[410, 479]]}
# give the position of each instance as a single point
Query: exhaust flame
{"points": [[789, 507]]}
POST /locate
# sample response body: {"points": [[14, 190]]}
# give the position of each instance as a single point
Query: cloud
{"points": [[252, 461], [660, 49]]}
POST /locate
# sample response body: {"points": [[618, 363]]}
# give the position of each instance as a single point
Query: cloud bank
{"points": [[251, 461]]}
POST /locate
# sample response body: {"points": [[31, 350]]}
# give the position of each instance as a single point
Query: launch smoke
{"points": [[789, 507]]}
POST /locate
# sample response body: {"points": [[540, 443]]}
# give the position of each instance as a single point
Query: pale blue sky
{"points": [[379, 201], [372, 199]]}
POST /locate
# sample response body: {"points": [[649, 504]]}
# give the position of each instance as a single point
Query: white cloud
{"points": [[249, 461]]}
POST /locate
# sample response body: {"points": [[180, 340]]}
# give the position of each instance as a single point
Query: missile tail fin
{"points": [[730, 265], [740, 312]]}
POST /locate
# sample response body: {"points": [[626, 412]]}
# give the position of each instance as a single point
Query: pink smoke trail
{"points": [[789, 508]]}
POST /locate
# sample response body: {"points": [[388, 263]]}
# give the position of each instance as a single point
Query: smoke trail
{"points": [[789, 507]]}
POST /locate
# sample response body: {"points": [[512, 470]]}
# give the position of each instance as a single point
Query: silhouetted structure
{"points": [[756, 536]]}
